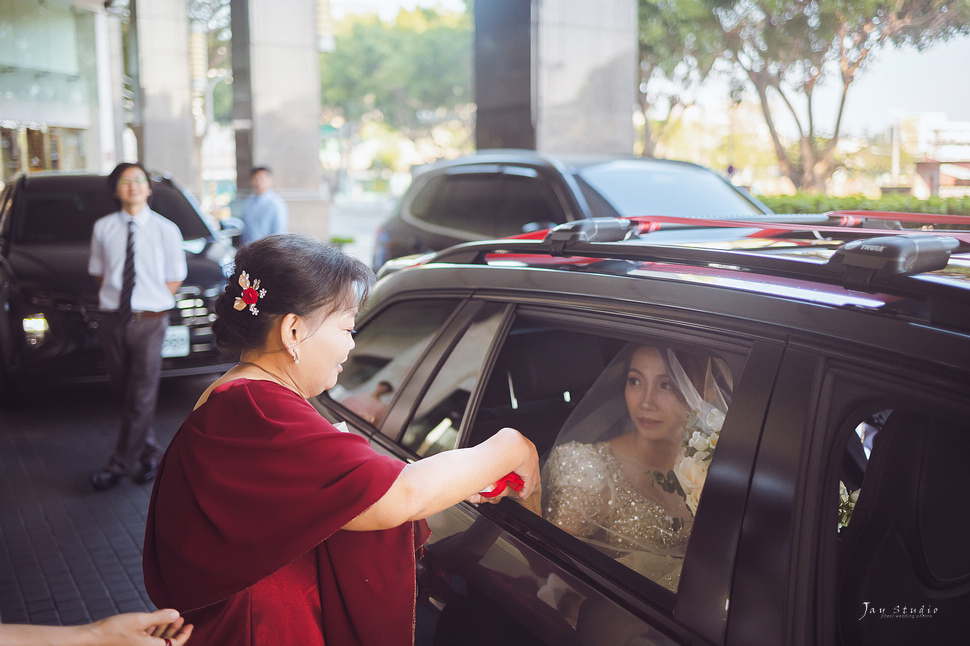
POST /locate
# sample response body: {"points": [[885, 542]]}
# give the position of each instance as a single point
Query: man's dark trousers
{"points": [[134, 358]]}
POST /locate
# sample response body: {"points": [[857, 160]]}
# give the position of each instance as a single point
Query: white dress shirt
{"points": [[159, 259]]}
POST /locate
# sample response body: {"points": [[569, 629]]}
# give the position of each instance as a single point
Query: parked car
{"points": [[833, 508], [49, 326], [501, 193]]}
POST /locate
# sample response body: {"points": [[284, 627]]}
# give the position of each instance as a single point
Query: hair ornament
{"points": [[251, 293]]}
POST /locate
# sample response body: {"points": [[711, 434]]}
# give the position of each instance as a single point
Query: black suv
{"points": [[48, 329], [834, 505], [500, 193]]}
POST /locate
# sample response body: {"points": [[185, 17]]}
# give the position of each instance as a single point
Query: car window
{"points": [[645, 187], [175, 206], [488, 204], [904, 569], [625, 430], [387, 346], [56, 216], [437, 420]]}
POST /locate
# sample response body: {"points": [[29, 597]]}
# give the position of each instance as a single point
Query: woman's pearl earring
{"points": [[296, 357]]}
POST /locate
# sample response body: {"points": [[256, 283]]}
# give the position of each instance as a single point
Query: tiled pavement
{"points": [[68, 554]]}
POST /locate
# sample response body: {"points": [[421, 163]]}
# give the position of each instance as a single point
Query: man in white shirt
{"points": [[264, 212], [138, 260]]}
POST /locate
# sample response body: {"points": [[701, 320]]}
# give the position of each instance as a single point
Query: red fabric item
{"points": [[249, 501], [513, 480]]}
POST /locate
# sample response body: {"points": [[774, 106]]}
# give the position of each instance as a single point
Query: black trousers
{"points": [[134, 358]]}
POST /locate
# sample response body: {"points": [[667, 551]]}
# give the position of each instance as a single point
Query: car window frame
{"points": [[850, 384], [737, 453]]}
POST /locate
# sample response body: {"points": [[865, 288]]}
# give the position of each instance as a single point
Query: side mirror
{"points": [[231, 227]]}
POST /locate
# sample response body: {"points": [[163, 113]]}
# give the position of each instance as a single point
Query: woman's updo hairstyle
{"points": [[299, 275]]}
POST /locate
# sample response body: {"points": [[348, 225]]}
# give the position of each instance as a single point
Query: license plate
{"points": [[176, 343]]}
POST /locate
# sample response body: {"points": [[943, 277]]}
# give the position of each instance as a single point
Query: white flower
{"points": [[691, 473], [698, 442], [714, 420]]}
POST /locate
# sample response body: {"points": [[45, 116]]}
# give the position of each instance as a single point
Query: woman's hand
{"points": [[159, 628], [524, 479]]}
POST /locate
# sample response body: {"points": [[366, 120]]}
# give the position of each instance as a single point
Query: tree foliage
{"points": [[678, 42], [413, 74], [786, 48]]}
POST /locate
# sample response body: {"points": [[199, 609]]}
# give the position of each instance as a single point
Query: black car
{"points": [[502, 193], [49, 326], [834, 506]]}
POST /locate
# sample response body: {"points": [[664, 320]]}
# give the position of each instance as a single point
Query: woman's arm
{"points": [[131, 629], [433, 484]]}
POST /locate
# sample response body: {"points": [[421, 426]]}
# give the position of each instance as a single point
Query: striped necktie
{"points": [[127, 278]]}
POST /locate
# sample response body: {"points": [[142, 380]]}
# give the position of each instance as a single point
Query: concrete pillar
{"points": [[167, 141], [587, 76], [504, 74], [556, 75], [109, 112], [284, 106]]}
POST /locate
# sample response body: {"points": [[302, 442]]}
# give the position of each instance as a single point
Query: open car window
{"points": [[624, 447]]}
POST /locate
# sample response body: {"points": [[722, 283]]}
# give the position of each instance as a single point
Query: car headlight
{"points": [[35, 329]]}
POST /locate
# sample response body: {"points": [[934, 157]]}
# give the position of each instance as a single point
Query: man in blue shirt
{"points": [[264, 212]]}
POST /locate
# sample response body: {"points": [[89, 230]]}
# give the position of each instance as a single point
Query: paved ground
{"points": [[69, 554]]}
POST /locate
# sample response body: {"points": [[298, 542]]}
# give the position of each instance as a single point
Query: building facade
{"points": [[61, 86]]}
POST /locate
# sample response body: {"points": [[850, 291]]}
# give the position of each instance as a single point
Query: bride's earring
{"points": [[296, 357]]}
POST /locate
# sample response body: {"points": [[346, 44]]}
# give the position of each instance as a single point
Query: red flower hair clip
{"points": [[251, 293]]}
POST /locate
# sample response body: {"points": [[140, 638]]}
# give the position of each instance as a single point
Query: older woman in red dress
{"points": [[268, 525]]}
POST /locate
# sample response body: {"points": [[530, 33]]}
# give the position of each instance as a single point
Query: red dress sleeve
{"points": [[253, 479]]}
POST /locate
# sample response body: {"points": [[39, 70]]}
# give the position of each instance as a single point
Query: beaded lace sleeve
{"points": [[576, 488]]}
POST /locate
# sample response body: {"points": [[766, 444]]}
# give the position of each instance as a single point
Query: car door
{"points": [[502, 572], [855, 529]]}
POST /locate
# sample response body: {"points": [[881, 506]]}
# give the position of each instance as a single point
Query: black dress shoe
{"points": [[103, 479], [146, 472]]}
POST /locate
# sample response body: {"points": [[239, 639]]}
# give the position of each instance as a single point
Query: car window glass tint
{"points": [[467, 201], [52, 216], [624, 458], [61, 216], [176, 207], [643, 187], [422, 200], [386, 348], [437, 420], [904, 570], [492, 205], [528, 204]]}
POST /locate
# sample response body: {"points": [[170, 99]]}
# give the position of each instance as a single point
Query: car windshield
{"points": [[59, 216], [644, 187]]}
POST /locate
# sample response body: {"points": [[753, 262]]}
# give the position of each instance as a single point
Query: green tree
{"points": [[413, 74], [679, 42], [785, 48]]}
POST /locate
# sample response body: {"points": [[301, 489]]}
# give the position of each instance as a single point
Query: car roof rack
{"points": [[892, 262]]}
